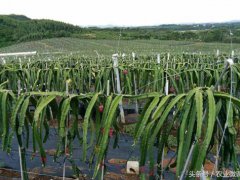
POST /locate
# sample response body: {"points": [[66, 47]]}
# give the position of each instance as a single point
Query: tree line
{"points": [[18, 28]]}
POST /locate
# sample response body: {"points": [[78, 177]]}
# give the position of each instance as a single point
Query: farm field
{"points": [[109, 47], [77, 106]]}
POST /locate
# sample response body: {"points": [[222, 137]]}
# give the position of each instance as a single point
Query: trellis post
{"points": [[117, 77], [135, 84], [19, 148]]}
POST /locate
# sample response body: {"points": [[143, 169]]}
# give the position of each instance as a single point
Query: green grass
{"points": [[108, 47]]}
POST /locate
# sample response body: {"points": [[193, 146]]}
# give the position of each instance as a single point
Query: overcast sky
{"points": [[125, 12]]}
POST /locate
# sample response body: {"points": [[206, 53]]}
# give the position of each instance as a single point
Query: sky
{"points": [[125, 12]]}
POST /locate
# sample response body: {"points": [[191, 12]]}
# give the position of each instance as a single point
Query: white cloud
{"points": [[125, 12]]}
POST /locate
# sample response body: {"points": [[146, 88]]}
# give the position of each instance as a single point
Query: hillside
{"points": [[18, 28]]}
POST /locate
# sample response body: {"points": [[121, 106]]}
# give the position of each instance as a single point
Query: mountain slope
{"points": [[18, 28]]}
